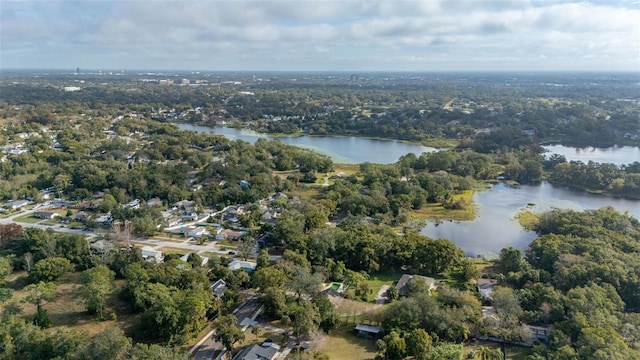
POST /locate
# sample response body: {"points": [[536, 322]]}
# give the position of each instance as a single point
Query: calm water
{"points": [[496, 227], [341, 149], [620, 155]]}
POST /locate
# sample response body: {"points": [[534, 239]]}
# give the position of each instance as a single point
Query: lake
{"points": [[619, 155], [495, 226], [341, 149]]}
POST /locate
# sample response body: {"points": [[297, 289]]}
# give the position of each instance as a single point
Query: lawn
{"points": [[437, 211], [29, 219], [342, 343], [376, 281], [305, 192]]}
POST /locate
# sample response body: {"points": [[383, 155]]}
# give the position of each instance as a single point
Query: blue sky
{"points": [[345, 35]]}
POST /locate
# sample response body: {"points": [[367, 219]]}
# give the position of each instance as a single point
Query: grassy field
{"points": [[306, 192], [343, 344], [528, 220], [29, 219], [68, 311], [376, 281], [438, 212]]}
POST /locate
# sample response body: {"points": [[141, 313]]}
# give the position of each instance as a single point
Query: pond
{"points": [[341, 149], [496, 226], [619, 155]]}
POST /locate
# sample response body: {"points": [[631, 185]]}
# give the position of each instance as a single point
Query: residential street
{"points": [[207, 349]]}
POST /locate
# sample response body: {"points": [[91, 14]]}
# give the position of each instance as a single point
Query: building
{"points": [[266, 351], [218, 287], [247, 266], [486, 287], [228, 234], [367, 331], [16, 204], [403, 284], [151, 255], [46, 215]]}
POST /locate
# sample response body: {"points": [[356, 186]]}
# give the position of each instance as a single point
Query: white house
{"points": [[45, 215], [151, 255], [198, 232], [16, 204], [247, 266], [218, 287]]}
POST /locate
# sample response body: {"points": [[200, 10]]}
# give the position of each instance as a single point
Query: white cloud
{"points": [[321, 35]]}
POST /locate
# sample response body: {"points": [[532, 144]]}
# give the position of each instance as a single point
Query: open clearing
{"points": [[68, 311], [343, 344]]}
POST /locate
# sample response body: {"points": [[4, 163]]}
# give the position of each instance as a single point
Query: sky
{"points": [[337, 35]]}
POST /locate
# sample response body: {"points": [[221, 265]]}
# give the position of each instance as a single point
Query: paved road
{"points": [[38, 225], [190, 247], [207, 349]]}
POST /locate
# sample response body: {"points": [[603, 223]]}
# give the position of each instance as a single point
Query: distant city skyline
{"points": [[349, 35]]}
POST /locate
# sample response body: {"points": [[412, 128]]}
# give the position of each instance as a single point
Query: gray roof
{"points": [[368, 328], [257, 352]]}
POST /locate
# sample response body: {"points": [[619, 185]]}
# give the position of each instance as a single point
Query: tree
{"points": [[50, 269], [394, 346], [274, 302], [62, 182], [111, 344], [37, 293], [8, 233], [304, 282], [227, 332], [419, 343], [511, 259], [96, 283], [255, 330], [304, 316], [6, 267], [245, 246], [268, 277]]}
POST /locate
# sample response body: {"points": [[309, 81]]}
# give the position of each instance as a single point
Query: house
{"points": [[244, 184], [184, 204], [367, 331], [101, 246], [16, 204], [486, 287], [154, 202], [247, 266], [135, 204], [218, 287], [151, 255], [539, 332], [266, 351], [403, 284], [105, 219], [80, 216], [190, 215], [46, 215], [192, 231], [171, 221], [228, 234]]}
